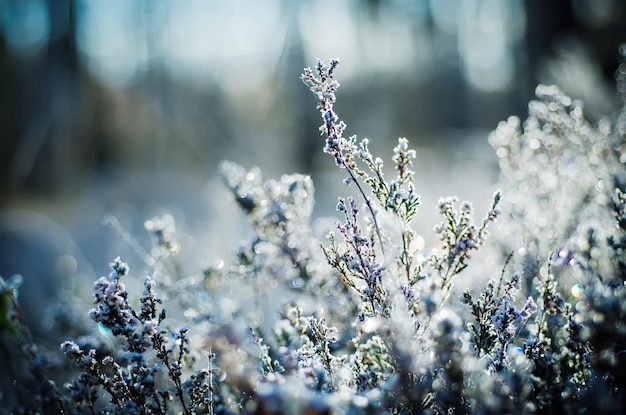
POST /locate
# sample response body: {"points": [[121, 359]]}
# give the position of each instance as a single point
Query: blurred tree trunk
{"points": [[309, 141], [42, 97]]}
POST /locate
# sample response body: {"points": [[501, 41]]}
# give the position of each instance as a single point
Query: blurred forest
{"points": [[126, 107]]}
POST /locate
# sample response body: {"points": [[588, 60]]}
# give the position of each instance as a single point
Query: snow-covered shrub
{"points": [[368, 321]]}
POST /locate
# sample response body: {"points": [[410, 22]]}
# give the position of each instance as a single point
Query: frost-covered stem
{"points": [[368, 203], [332, 133], [542, 324], [173, 368], [506, 263], [210, 409], [405, 257], [109, 385], [321, 333], [333, 128], [363, 263], [111, 221]]}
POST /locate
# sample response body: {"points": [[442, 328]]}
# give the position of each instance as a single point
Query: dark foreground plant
{"points": [[370, 322]]}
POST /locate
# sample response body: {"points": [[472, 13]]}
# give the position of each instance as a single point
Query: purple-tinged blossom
{"points": [[530, 308], [357, 261]]}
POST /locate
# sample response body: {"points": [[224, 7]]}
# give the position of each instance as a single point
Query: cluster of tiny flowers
{"points": [[459, 235], [324, 87], [148, 358], [345, 150], [555, 345], [557, 158], [371, 363], [305, 351], [316, 352], [497, 321], [357, 261], [617, 244], [129, 392], [83, 390], [402, 198], [279, 212], [111, 298], [601, 317]]}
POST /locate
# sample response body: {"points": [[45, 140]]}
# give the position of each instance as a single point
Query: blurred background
{"points": [[125, 108]]}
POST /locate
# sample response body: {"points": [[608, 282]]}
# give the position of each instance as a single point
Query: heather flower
{"points": [[346, 151], [459, 236], [148, 357], [357, 260]]}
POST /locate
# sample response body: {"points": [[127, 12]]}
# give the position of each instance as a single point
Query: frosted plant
{"points": [[554, 162], [385, 271], [360, 259], [149, 355], [460, 236], [282, 255], [41, 391], [600, 312], [367, 323], [399, 195], [165, 246], [498, 321], [279, 213]]}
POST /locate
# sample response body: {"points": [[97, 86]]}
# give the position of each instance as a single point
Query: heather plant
{"points": [[149, 353], [369, 320], [554, 162]]}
